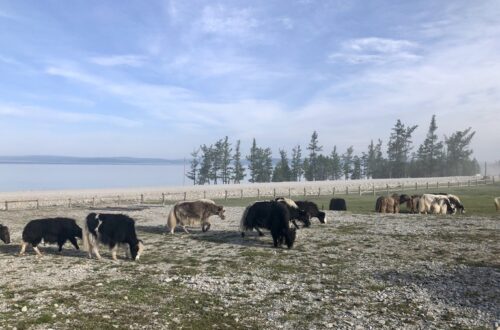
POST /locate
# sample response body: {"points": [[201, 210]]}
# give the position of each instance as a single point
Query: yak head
{"points": [[4, 234], [220, 212], [290, 237], [136, 249]]}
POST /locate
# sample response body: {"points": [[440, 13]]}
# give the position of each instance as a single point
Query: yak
{"points": [[4, 234], [312, 210], [184, 212]]}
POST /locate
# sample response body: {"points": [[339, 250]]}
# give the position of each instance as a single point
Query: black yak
{"points": [[338, 204], [111, 230], [312, 210], [51, 230], [271, 215], [4, 234], [296, 213]]}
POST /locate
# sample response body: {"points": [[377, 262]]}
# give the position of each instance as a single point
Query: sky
{"points": [[159, 78]]}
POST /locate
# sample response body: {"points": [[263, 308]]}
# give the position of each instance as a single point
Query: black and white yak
{"points": [[312, 210], [4, 234], [455, 202], [50, 230], [271, 215], [111, 230], [185, 212], [435, 204], [337, 204], [296, 213]]}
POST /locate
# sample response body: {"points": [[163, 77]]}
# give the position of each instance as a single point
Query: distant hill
{"points": [[64, 160]]}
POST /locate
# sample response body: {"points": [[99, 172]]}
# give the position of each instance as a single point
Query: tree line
{"points": [[219, 163]]}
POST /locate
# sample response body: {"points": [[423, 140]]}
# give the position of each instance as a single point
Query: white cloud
{"points": [[119, 60], [226, 21], [375, 50]]}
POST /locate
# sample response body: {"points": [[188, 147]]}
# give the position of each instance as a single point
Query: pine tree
{"points": [[195, 162], [282, 170], [399, 148], [458, 151], [239, 170], [335, 164], [205, 164], [297, 169], [252, 161], [356, 168], [225, 159], [347, 162], [429, 151], [314, 148]]}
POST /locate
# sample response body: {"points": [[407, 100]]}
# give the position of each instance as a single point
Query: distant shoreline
{"points": [[67, 160]]}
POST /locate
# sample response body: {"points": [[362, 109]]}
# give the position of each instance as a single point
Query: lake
{"points": [[23, 177]]}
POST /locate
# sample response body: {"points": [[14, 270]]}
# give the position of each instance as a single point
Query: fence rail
{"points": [[235, 193]]}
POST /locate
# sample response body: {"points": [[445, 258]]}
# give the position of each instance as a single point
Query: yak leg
{"points": [[295, 224], [258, 230], [74, 242], [37, 250], [185, 229], [23, 248], [113, 252], [96, 252]]}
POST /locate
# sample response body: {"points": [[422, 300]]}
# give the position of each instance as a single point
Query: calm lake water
{"points": [[22, 177]]}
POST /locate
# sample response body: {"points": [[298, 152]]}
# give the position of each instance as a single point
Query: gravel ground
{"points": [[356, 271]]}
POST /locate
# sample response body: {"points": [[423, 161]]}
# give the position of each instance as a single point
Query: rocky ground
{"points": [[357, 271]]}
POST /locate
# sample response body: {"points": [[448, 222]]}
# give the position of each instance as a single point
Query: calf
{"points": [[272, 215], [338, 204], [296, 213], [4, 234], [111, 230], [312, 210], [51, 230]]}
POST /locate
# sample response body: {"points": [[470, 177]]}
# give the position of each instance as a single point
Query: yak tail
{"points": [[243, 226], [172, 219]]}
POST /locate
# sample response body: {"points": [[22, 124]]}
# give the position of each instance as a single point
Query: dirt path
{"points": [[392, 271]]}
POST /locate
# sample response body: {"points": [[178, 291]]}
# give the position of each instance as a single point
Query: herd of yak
{"points": [[114, 230]]}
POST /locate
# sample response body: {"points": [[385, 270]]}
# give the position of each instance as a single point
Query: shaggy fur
{"points": [[435, 204], [387, 204], [296, 213], [497, 203], [51, 230], [186, 212], [312, 210], [414, 203], [455, 202], [271, 215], [337, 204], [111, 230], [4, 234]]}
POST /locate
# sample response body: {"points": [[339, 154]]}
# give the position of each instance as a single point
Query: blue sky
{"points": [[159, 78]]}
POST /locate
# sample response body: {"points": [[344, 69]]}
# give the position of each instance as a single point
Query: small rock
{"points": [[196, 301], [24, 309], [106, 317], [126, 298], [99, 284], [56, 305], [176, 320]]}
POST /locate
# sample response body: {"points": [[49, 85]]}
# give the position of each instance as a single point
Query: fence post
{"points": [[333, 192], [468, 183], [448, 184], [258, 193], [6, 206], [241, 196], [387, 187], [437, 184], [37, 204], [347, 190], [185, 195], [69, 202], [142, 198], [319, 191], [403, 186], [93, 201], [274, 192], [225, 194], [204, 194], [305, 192], [289, 193], [373, 189], [162, 198], [359, 190], [119, 200]]}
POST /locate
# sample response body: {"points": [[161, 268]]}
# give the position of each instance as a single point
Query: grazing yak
{"points": [[406, 199], [435, 204], [4, 234], [111, 230], [497, 203], [455, 202], [312, 210], [296, 213], [185, 212], [414, 203], [271, 215], [51, 230], [338, 204], [387, 204]]}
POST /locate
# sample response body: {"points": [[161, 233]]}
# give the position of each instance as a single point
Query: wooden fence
{"points": [[234, 193]]}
